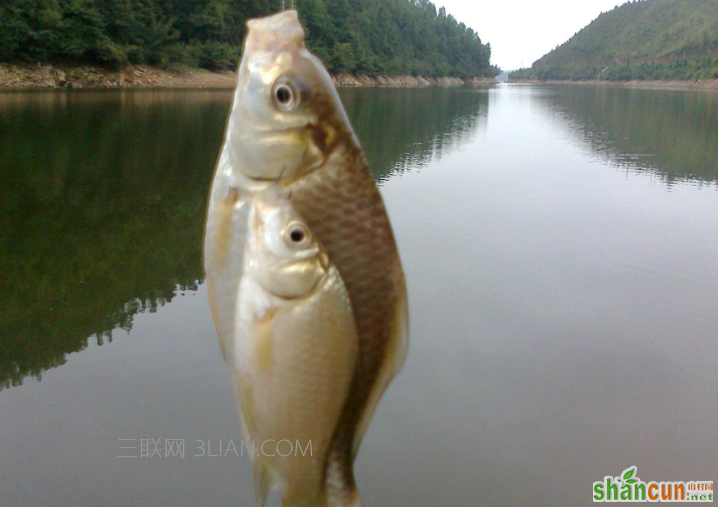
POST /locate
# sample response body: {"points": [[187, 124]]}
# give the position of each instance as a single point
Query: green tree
{"points": [[361, 36]]}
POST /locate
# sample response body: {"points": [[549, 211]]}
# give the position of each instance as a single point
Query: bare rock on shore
{"points": [[79, 77], [704, 84], [48, 76], [348, 80]]}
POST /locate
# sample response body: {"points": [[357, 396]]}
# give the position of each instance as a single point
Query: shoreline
{"points": [[352, 81], [47, 77], [709, 84]]}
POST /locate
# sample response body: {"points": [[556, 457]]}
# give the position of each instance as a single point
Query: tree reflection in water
{"points": [[104, 196]]}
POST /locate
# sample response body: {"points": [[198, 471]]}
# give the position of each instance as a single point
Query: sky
{"points": [[522, 31]]}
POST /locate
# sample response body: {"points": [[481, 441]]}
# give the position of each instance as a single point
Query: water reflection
{"points": [[104, 194], [562, 313], [669, 134], [101, 215], [405, 129]]}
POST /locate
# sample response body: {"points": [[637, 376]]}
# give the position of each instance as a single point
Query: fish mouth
{"points": [[281, 29]]}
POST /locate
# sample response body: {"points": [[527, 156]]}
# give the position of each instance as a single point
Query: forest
{"points": [[372, 37], [639, 40]]}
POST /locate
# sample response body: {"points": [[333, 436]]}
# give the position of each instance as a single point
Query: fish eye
{"points": [[285, 94], [297, 235]]}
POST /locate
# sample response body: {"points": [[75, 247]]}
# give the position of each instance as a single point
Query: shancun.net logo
{"points": [[629, 488]]}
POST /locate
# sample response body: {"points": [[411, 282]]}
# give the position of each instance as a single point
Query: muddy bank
{"points": [[709, 84], [349, 80], [49, 76]]}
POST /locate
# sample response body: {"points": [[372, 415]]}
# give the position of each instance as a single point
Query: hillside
{"points": [[639, 40], [389, 37]]}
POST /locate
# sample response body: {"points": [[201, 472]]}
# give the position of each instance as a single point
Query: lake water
{"points": [[561, 250]]}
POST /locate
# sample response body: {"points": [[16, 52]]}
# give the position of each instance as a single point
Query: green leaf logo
{"points": [[627, 474]]}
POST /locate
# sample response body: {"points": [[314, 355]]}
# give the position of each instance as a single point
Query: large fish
{"points": [[314, 329]]}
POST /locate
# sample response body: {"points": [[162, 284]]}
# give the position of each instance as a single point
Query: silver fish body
{"points": [[312, 334]]}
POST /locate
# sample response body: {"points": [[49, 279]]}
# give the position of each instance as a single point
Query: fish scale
{"points": [[347, 213]]}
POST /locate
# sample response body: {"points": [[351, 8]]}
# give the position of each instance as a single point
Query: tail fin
{"points": [[340, 487], [350, 498], [338, 493], [261, 481]]}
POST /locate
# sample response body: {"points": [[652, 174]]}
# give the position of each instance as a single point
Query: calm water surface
{"points": [[561, 249]]}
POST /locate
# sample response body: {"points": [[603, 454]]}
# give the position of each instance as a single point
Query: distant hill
{"points": [[643, 39], [504, 76], [390, 37]]}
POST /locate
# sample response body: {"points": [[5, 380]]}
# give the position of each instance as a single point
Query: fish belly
{"points": [[224, 248], [295, 361]]}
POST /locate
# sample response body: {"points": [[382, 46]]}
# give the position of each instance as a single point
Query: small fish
{"points": [[305, 282]]}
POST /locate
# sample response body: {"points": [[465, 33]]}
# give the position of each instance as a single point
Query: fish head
{"points": [[284, 256], [286, 111]]}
